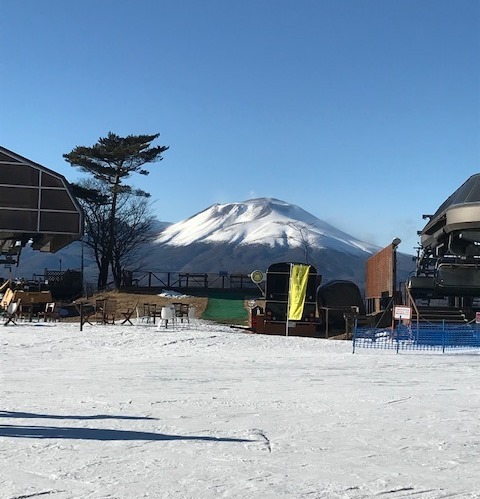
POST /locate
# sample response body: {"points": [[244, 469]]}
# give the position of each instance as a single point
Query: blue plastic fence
{"points": [[438, 337]]}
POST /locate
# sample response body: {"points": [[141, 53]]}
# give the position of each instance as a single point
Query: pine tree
{"points": [[111, 161]]}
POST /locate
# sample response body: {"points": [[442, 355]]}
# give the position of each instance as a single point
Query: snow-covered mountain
{"points": [[263, 221], [242, 237]]}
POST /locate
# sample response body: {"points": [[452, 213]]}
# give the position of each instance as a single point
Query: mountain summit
{"points": [[262, 221]]}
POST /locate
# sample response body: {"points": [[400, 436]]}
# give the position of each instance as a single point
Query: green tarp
{"points": [[228, 309]]}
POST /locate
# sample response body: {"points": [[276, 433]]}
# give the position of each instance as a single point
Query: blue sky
{"points": [[364, 113]]}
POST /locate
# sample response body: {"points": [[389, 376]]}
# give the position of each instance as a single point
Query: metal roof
{"points": [[468, 192], [459, 212], [37, 206]]}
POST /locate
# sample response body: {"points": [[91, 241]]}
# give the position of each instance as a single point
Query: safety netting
{"points": [[423, 336]]}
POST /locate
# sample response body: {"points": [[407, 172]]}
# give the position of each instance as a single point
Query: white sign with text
{"points": [[402, 312]]}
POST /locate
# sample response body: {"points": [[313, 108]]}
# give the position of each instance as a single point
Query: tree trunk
{"points": [[111, 233], [117, 274], [103, 273]]}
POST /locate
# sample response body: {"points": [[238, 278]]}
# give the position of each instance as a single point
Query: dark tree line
{"points": [[118, 219]]}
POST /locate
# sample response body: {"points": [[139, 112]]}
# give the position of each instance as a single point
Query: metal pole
{"points": [[398, 331], [288, 298], [354, 335], [82, 269], [443, 336], [326, 322]]}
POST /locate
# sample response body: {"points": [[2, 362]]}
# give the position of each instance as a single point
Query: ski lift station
{"points": [[36, 206]]}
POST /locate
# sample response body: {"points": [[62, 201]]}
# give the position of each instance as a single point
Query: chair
{"points": [[166, 314], [139, 315], [127, 314], [86, 312], [180, 310], [177, 306], [110, 311], [149, 312], [191, 315], [105, 310], [11, 312], [155, 312], [100, 311], [142, 313], [50, 313], [184, 308]]}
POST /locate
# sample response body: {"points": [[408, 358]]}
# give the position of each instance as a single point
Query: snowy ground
{"points": [[210, 411]]}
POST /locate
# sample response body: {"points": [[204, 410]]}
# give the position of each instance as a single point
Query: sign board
{"points": [[402, 312]]}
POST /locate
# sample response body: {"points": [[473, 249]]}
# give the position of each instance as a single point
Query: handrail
{"points": [[412, 303], [352, 309]]}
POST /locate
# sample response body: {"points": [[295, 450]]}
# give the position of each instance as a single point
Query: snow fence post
{"points": [[443, 336], [354, 334], [398, 331], [81, 316]]}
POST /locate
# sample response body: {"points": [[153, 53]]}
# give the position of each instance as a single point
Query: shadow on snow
{"points": [[17, 431], [25, 415], [31, 431]]}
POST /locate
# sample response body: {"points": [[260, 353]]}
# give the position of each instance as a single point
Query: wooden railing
{"points": [[188, 280]]}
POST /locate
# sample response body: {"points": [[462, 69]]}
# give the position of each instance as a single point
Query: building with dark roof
{"points": [[36, 206]]}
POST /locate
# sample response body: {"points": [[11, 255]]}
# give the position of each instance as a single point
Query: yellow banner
{"points": [[298, 290]]}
